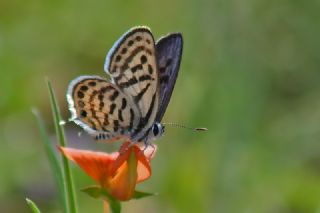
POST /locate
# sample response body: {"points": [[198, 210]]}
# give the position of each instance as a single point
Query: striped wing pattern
{"points": [[132, 66], [101, 108]]}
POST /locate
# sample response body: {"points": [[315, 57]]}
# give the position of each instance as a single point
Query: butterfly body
{"points": [[132, 104]]}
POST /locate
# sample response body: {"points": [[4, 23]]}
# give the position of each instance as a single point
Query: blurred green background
{"points": [[250, 73]]}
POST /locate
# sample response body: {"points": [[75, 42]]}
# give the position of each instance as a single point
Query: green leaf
{"points": [[139, 194], [93, 191], [53, 159], [68, 180], [33, 206], [99, 193]]}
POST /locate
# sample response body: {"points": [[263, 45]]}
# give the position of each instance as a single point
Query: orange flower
{"points": [[118, 172]]}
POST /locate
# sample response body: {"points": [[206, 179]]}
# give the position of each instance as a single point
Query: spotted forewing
{"points": [[132, 66]]}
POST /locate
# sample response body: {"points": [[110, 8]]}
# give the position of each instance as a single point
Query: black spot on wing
{"points": [[83, 113], [101, 105], [100, 97], [106, 89], [150, 69], [115, 125], [143, 59], [120, 115], [124, 50], [145, 78], [130, 43], [124, 103], [106, 120], [95, 117], [104, 136], [80, 94], [136, 68], [128, 83], [84, 88], [112, 108], [114, 95], [118, 58], [92, 83]]}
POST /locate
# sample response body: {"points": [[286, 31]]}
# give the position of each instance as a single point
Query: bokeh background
{"points": [[250, 73]]}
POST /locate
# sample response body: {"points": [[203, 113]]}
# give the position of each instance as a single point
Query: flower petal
{"points": [[123, 185], [143, 155], [143, 166], [118, 172], [124, 154], [96, 164]]}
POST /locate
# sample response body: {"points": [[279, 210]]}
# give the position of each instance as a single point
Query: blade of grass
{"points": [[33, 206], [53, 159], [69, 185]]}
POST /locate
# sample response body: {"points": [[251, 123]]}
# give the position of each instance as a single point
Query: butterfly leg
{"points": [[152, 152], [146, 144]]}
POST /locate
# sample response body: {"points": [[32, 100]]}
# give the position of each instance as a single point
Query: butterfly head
{"points": [[156, 132]]}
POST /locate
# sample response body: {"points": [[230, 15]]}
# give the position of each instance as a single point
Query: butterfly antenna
{"points": [[186, 127]]}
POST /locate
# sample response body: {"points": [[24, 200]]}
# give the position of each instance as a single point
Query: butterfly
{"points": [[131, 105]]}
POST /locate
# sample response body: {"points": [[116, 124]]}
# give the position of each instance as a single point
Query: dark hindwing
{"points": [[132, 66], [169, 52], [100, 107]]}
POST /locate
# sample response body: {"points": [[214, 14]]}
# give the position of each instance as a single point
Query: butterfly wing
{"points": [[101, 108], [169, 52], [132, 65]]}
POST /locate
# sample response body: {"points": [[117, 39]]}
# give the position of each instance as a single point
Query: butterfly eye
{"points": [[155, 129]]}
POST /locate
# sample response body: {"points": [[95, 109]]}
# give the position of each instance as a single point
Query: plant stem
{"points": [[68, 180], [106, 207], [53, 159]]}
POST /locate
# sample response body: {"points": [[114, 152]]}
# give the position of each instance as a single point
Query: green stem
{"points": [[53, 159], [68, 180]]}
